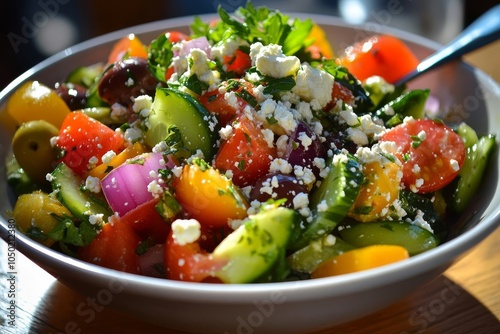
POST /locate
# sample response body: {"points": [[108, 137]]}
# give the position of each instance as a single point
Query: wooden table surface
{"points": [[466, 299]]}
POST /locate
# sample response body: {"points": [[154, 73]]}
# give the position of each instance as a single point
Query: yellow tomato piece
{"points": [[208, 196], [35, 101], [321, 46], [380, 190], [361, 259], [103, 169], [37, 210]]}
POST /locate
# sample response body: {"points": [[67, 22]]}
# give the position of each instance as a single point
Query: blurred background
{"points": [[35, 29]]}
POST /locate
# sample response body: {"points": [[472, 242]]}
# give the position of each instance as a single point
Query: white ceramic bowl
{"points": [[293, 307]]}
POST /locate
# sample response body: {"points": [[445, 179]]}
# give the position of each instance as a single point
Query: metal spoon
{"points": [[484, 30]]}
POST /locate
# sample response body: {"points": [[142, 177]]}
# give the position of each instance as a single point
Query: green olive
{"points": [[32, 149], [36, 211]]}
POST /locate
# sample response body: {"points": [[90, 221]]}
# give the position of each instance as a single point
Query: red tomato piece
{"points": [[431, 153], [238, 63], [339, 92], [114, 248], [189, 262], [215, 102], [147, 222], [83, 138], [382, 55], [176, 36], [245, 153]]}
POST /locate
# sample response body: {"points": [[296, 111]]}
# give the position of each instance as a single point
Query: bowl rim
{"points": [[342, 284]]}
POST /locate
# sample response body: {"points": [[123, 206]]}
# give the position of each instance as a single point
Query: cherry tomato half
{"points": [[431, 153]]}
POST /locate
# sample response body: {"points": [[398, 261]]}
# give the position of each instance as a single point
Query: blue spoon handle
{"points": [[484, 30]]}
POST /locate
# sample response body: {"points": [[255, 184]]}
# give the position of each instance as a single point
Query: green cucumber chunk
{"points": [[472, 172], [413, 237], [253, 249], [414, 203], [198, 128], [468, 134], [85, 75], [318, 251], [409, 104], [68, 186], [331, 201]]}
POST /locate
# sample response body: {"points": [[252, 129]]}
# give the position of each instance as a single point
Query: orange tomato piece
{"points": [[361, 259], [381, 55], [128, 46], [379, 191], [208, 196]]}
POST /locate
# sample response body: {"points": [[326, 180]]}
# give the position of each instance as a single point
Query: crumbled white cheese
{"points": [[142, 102], [279, 165], [271, 61], [301, 200], [199, 67], [186, 231], [96, 219], [313, 84], [226, 132], [108, 156], [93, 184]]}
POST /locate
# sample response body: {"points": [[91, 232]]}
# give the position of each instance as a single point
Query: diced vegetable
{"points": [[35, 101], [473, 169], [114, 248], [307, 259], [197, 127], [410, 236], [378, 192], [136, 181], [431, 153], [382, 55], [84, 142], [333, 199], [68, 186], [361, 259], [245, 153], [209, 196], [253, 249], [128, 153]]}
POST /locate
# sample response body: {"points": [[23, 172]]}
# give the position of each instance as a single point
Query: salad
{"points": [[246, 151]]}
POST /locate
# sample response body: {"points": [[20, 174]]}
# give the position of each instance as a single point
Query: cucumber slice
{"points": [[68, 186], [333, 199], [85, 75], [468, 134], [412, 203], [472, 172], [410, 104], [198, 128], [308, 258], [413, 237], [253, 249]]}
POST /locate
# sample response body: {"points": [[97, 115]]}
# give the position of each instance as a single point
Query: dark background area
{"points": [[26, 25]]}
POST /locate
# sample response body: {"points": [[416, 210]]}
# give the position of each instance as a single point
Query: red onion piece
{"points": [[126, 187], [198, 43], [149, 261]]}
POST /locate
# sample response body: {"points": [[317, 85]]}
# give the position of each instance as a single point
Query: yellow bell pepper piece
{"points": [[103, 169], [361, 259]]}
